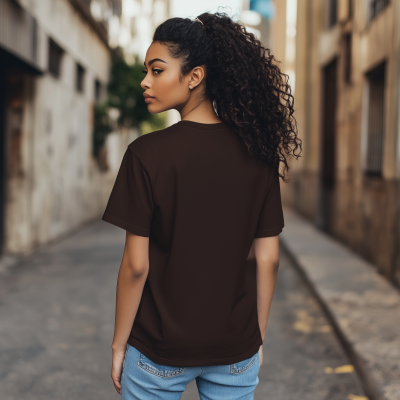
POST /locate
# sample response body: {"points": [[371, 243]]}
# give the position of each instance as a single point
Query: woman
{"points": [[192, 198]]}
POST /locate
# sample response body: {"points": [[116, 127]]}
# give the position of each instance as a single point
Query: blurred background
{"points": [[71, 101]]}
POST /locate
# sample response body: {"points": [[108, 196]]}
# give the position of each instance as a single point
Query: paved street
{"points": [[57, 315]]}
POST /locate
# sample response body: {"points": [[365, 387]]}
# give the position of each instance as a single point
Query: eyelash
{"points": [[154, 69]]}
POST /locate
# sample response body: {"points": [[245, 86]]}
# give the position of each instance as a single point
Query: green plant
{"points": [[124, 105], [102, 127], [125, 92]]}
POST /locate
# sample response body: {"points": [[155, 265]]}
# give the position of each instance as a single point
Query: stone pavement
{"points": [[362, 306], [57, 319]]}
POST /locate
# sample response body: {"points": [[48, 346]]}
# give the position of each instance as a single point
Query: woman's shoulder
{"points": [[151, 138], [149, 146]]}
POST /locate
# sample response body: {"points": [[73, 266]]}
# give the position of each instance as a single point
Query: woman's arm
{"points": [[131, 279], [267, 258]]}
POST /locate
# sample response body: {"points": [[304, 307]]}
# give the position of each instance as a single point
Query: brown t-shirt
{"points": [[201, 198]]}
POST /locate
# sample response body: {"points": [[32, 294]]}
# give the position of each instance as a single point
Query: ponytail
{"points": [[242, 81]]}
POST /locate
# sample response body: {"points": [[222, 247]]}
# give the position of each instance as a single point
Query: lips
{"points": [[145, 95]]}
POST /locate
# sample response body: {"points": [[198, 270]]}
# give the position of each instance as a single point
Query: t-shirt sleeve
{"points": [[271, 220], [130, 205]]}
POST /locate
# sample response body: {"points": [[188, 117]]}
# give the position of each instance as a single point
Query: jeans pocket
{"points": [[163, 371], [242, 366]]}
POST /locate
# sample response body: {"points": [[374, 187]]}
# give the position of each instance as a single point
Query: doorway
{"points": [[328, 147]]}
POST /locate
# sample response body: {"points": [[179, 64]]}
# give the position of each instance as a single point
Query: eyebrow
{"points": [[153, 61]]}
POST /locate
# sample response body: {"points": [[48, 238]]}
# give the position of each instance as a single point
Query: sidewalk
{"points": [[364, 308]]}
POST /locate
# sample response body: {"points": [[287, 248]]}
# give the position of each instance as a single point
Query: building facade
{"points": [[54, 67], [347, 106]]}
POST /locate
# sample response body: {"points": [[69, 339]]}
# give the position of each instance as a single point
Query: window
{"points": [[332, 13], [347, 58], [97, 90], [55, 55], [34, 39], [80, 74], [375, 120], [376, 7]]}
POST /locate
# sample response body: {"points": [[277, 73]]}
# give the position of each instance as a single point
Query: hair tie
{"points": [[199, 21]]}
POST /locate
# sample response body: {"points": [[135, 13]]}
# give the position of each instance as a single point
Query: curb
{"points": [[366, 380]]}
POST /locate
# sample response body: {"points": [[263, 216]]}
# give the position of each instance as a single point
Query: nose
{"points": [[145, 84]]}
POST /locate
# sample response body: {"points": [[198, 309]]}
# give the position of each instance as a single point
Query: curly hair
{"points": [[248, 90]]}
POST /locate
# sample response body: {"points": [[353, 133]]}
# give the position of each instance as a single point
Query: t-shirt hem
{"points": [[196, 362], [269, 232], [126, 225]]}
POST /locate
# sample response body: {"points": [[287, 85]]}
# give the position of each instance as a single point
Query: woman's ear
{"points": [[197, 76]]}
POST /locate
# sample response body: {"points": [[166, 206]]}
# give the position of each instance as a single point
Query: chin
{"points": [[152, 109], [155, 110]]}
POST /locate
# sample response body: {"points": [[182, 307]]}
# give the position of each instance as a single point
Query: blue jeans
{"points": [[144, 379]]}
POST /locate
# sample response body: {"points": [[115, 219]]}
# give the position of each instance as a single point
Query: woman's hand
{"points": [[118, 356], [260, 351]]}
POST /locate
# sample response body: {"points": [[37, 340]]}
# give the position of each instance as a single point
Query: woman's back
{"points": [[200, 197]]}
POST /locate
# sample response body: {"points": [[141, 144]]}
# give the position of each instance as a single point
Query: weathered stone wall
{"points": [[365, 211], [53, 183]]}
